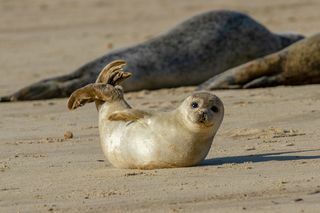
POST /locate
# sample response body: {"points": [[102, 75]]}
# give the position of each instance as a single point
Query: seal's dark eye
{"points": [[194, 105], [215, 109]]}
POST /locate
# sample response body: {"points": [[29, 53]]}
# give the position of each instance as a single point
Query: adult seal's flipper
{"points": [[295, 65], [243, 75], [57, 87]]}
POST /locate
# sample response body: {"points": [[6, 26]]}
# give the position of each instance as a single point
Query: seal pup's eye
{"points": [[214, 109], [194, 105]]}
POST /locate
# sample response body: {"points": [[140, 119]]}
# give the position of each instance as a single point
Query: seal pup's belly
{"points": [[141, 145]]}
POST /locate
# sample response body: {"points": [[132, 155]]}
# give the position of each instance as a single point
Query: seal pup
{"points": [[295, 65], [189, 54], [134, 138]]}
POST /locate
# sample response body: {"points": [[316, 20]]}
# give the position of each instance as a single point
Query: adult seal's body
{"points": [[189, 54], [295, 65], [133, 138]]}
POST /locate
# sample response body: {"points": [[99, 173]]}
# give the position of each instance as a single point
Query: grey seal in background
{"points": [[139, 139], [295, 65], [189, 54]]}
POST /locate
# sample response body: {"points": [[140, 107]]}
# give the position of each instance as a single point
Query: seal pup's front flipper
{"points": [[128, 115]]}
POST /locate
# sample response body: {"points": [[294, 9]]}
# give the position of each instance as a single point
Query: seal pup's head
{"points": [[202, 111]]}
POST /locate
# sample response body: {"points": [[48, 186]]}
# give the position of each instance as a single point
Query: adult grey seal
{"points": [[189, 54], [134, 138], [295, 65]]}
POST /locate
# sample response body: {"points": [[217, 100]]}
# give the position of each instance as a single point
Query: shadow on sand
{"points": [[276, 156]]}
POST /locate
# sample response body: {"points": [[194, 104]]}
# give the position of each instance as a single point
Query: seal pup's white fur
{"points": [[133, 138]]}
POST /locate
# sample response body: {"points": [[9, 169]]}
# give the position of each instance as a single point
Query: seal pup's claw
{"points": [[113, 73]]}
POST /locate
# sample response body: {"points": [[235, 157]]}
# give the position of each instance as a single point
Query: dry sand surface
{"points": [[265, 157]]}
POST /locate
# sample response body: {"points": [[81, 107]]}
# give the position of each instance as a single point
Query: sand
{"points": [[265, 157]]}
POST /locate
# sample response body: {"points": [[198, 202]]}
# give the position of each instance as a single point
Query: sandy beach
{"points": [[265, 157]]}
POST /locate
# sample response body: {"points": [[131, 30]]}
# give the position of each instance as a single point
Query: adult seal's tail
{"points": [[189, 54]]}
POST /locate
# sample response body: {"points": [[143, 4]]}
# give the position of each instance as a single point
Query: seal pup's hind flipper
{"points": [[113, 73], [106, 88], [94, 92]]}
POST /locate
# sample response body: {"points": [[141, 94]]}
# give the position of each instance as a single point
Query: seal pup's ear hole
{"points": [[89, 93], [127, 115], [113, 73]]}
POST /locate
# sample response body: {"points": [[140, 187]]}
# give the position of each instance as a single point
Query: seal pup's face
{"points": [[202, 111]]}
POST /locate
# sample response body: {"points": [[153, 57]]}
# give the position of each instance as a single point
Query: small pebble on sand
{"points": [[68, 135]]}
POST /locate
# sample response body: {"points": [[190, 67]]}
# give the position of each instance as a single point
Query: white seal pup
{"points": [[133, 138], [189, 54]]}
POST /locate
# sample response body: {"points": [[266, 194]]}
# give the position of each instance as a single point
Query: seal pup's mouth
{"points": [[204, 119]]}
